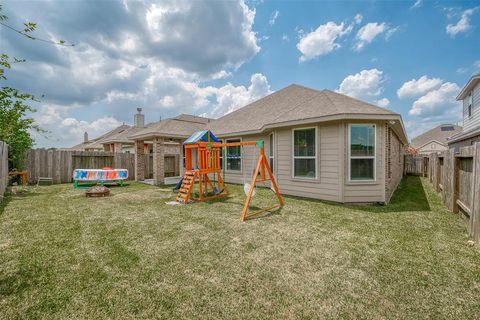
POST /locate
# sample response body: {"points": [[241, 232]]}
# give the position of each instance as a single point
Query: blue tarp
{"points": [[204, 135]]}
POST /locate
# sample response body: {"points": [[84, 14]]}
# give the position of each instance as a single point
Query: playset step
{"points": [[187, 185]]}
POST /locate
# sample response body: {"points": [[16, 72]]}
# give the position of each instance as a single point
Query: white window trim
{"points": [[271, 147], [304, 157], [374, 157], [241, 156]]}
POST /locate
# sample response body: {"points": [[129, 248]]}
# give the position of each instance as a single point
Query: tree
{"points": [[15, 125]]}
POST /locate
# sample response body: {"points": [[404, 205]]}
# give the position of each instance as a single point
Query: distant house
{"points": [[321, 144], [97, 143], [436, 139], [470, 97]]}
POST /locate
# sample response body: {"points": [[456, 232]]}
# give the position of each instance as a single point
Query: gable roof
{"points": [[182, 126], [204, 135], [123, 136], [469, 86], [297, 104], [436, 134]]}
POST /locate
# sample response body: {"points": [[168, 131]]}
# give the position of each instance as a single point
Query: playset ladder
{"points": [[187, 186]]}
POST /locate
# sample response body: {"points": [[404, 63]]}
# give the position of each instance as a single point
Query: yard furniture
{"points": [[44, 181], [87, 177], [21, 174], [202, 161]]}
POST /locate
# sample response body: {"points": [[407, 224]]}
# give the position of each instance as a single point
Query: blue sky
{"points": [[211, 57]]}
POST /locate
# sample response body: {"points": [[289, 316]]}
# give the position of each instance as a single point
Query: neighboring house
{"points": [[436, 139], [321, 144], [470, 97], [97, 144]]}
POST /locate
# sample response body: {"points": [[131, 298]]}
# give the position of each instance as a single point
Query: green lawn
{"points": [[131, 256]]}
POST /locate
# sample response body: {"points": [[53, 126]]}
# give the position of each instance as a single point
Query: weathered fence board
{"points": [[416, 165], [59, 164], [456, 175], [3, 168]]}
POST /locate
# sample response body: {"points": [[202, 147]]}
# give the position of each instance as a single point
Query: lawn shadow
{"points": [[409, 196]]}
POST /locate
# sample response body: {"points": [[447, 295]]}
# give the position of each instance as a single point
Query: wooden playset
{"points": [[87, 177], [203, 165]]}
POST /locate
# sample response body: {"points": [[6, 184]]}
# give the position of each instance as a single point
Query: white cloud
{"points": [[322, 40], [463, 24], [476, 64], [384, 102], [418, 87], [417, 4], [368, 33], [273, 17], [358, 18], [230, 97], [437, 102], [363, 85], [285, 38]]}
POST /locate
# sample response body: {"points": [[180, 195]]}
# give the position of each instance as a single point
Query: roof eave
{"points": [[466, 89], [344, 116]]}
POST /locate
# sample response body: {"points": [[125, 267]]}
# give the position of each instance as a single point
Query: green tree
{"points": [[15, 124]]}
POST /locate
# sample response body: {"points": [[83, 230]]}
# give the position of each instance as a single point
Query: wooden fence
{"points": [[59, 164], [3, 168], [416, 165], [456, 175]]}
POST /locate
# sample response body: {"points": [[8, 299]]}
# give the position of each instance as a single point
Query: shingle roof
{"points": [[293, 103], [122, 137], [181, 126], [436, 134]]}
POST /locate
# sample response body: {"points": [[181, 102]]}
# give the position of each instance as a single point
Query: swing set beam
{"points": [[208, 162]]}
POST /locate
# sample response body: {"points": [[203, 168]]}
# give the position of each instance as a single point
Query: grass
{"points": [[132, 256]]}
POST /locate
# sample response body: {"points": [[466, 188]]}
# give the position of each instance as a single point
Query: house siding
{"points": [[431, 148], [358, 192], [332, 181], [473, 121]]}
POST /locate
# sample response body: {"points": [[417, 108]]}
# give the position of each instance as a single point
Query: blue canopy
{"points": [[204, 135]]}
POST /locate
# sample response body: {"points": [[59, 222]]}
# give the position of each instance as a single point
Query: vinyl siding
{"points": [[332, 181], [473, 121], [432, 147], [367, 191], [327, 184]]}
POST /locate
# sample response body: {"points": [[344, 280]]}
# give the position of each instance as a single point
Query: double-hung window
{"points": [[234, 156], [305, 153], [271, 150], [361, 152]]}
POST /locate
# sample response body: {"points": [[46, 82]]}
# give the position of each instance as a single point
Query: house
{"points": [[436, 139], [321, 144], [97, 144], [470, 97]]}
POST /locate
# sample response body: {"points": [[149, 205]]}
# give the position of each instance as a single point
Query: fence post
{"points": [[449, 178], [475, 211]]}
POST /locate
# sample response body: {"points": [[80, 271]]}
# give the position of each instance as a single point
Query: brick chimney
{"points": [[139, 118]]}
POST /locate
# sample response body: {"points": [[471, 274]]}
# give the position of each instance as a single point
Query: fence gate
{"points": [[416, 165]]}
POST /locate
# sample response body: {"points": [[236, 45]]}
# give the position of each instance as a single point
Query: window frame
{"points": [[305, 157], [350, 157], [227, 140], [271, 151], [470, 104]]}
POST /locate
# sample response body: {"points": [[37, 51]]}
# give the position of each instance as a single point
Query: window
{"points": [[362, 152], [221, 155], [270, 153], [234, 156], [469, 103], [447, 128], [304, 153]]}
